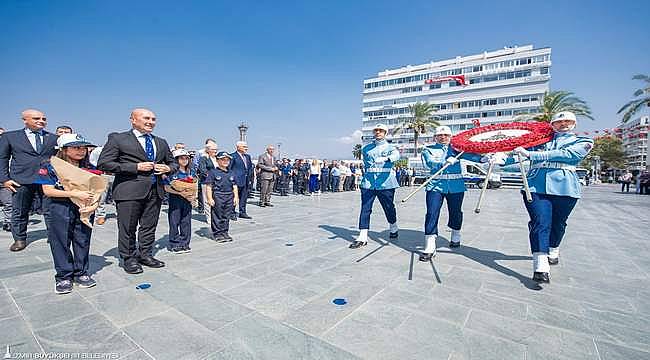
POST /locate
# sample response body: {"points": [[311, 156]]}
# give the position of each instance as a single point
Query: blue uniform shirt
{"points": [[552, 165], [379, 175], [221, 181], [47, 176], [286, 169], [179, 175], [451, 180]]}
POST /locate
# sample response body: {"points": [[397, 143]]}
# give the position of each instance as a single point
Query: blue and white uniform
{"points": [[379, 181], [179, 214], [448, 186], [555, 189]]}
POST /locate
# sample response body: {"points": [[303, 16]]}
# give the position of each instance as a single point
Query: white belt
{"points": [[378, 170], [449, 177], [553, 165]]}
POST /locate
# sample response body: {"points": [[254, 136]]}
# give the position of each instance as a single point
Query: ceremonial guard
{"points": [[449, 186], [555, 189], [378, 181], [68, 236], [222, 196]]}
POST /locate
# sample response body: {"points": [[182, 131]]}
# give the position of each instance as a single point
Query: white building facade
{"points": [[634, 135], [492, 87]]}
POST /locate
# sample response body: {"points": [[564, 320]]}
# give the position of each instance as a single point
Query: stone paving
{"points": [[269, 294]]}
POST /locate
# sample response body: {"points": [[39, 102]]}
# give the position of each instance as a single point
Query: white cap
{"points": [[67, 140], [564, 115], [381, 127], [443, 130], [180, 152]]}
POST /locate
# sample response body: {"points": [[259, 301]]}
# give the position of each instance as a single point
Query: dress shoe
{"points": [[269, 204], [150, 261], [233, 217], [393, 235], [18, 245], [553, 261], [357, 244], [100, 220], [453, 244], [132, 267], [261, 205], [541, 277], [245, 216], [426, 257], [6, 227], [221, 238]]}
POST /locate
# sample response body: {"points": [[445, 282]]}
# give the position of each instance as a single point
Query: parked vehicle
{"points": [[473, 173]]}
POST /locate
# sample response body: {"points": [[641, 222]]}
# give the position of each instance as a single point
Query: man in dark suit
{"points": [[137, 159], [266, 165], [242, 168], [27, 149]]}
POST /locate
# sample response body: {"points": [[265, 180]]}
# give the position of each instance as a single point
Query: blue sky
{"points": [[292, 70]]}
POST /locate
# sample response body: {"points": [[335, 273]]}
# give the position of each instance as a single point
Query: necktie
{"points": [[39, 141], [148, 148]]}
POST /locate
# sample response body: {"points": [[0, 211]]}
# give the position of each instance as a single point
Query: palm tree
{"points": [[642, 98], [555, 102], [356, 151], [421, 119]]}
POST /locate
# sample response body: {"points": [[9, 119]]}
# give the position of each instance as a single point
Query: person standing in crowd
{"points": [[63, 129], [378, 182], [626, 179], [5, 202], [285, 175], [21, 154], [411, 176], [137, 159], [448, 186], [65, 228], [358, 175], [206, 163], [179, 213], [242, 168], [314, 174], [179, 145], [222, 197], [100, 213], [303, 181], [555, 189], [295, 172], [195, 165], [324, 177], [335, 176], [266, 165], [343, 173]]}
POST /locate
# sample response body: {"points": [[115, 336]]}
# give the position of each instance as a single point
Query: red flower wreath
{"points": [[536, 133]]}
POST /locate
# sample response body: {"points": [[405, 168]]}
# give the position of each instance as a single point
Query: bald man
{"points": [[138, 159], [26, 148]]}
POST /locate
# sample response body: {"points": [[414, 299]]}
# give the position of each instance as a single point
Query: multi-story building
{"points": [[634, 135], [492, 87]]}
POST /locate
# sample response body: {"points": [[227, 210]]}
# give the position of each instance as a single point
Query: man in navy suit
{"points": [[242, 168], [25, 150], [138, 159]]}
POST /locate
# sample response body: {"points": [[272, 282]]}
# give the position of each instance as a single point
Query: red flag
{"points": [[476, 122]]}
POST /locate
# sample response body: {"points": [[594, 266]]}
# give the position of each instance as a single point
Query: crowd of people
{"points": [[42, 172]]}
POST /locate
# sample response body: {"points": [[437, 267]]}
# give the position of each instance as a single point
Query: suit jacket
{"points": [[25, 161], [121, 156], [243, 172], [266, 164]]}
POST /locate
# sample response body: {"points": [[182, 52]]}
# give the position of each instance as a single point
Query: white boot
{"points": [[553, 256], [393, 230], [363, 236], [455, 236], [540, 262], [430, 244]]}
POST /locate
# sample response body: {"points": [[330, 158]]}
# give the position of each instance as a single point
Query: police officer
{"points": [[285, 175], [448, 186], [378, 181], [222, 196], [555, 189]]}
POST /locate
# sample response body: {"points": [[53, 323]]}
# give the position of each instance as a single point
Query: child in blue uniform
{"points": [[65, 227], [449, 186], [555, 189], [180, 209], [222, 196]]}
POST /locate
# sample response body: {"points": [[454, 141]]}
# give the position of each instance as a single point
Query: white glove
{"points": [[497, 159], [451, 160], [381, 159], [521, 152]]}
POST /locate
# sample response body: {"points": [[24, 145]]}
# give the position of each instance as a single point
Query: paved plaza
{"points": [[269, 294]]}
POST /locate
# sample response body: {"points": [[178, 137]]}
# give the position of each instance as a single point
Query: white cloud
{"points": [[354, 138]]}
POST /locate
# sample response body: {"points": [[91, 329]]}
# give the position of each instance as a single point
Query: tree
{"points": [[420, 121], [356, 151], [642, 97], [610, 150], [555, 102]]}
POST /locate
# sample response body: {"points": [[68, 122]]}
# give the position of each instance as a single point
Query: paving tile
{"points": [[46, 310], [15, 333], [608, 351], [134, 305]]}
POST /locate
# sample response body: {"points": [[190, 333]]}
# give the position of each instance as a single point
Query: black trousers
{"points": [[221, 211], [66, 230], [179, 215], [21, 203], [243, 195], [130, 214]]}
